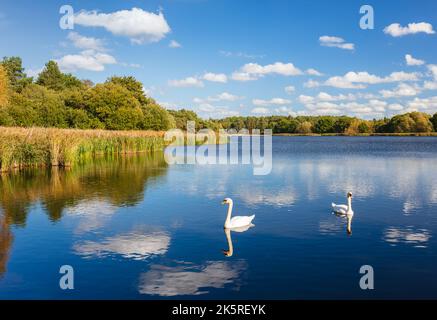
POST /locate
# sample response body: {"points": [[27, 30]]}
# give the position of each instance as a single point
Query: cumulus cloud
{"points": [[311, 84], [215, 77], [187, 82], [360, 80], [254, 71], [433, 69], [174, 44], [260, 110], [336, 42], [396, 30], [271, 102], [138, 25], [86, 60], [313, 72], [224, 96], [290, 89], [86, 43], [412, 61], [402, 90]]}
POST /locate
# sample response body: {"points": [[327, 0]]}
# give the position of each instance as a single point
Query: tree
{"points": [[324, 125], [15, 71], [156, 118], [103, 100], [134, 86], [434, 121], [51, 77], [304, 127], [4, 87]]}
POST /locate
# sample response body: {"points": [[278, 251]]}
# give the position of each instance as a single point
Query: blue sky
{"points": [[241, 57]]}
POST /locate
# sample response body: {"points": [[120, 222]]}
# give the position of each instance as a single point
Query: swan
{"points": [[228, 253], [343, 209], [235, 222]]}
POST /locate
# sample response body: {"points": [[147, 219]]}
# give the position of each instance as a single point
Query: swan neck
{"points": [[229, 238], [349, 204], [228, 217]]}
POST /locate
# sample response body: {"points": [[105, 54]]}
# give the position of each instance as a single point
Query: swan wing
{"points": [[339, 208], [241, 221]]}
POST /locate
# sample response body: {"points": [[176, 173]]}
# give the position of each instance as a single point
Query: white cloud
{"points": [[187, 82], [313, 72], [240, 54], [396, 30], [225, 96], [402, 90], [359, 80], [215, 77], [337, 42], [433, 69], [254, 71], [412, 61], [138, 25], [290, 89], [395, 107], [260, 110], [174, 44], [86, 60], [271, 102], [430, 85], [311, 84], [85, 43]]}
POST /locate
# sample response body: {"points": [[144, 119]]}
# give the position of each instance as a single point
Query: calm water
{"points": [[137, 228]]}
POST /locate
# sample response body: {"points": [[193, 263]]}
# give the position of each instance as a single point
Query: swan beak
{"points": [[224, 202]]}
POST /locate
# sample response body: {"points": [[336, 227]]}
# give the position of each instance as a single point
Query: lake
{"points": [[134, 227]]}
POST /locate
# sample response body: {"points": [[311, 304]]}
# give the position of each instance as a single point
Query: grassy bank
{"points": [[33, 147], [406, 134]]}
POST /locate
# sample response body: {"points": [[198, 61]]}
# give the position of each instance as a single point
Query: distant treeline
{"points": [[57, 99]]}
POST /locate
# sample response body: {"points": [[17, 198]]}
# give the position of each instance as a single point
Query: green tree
{"points": [[156, 118], [304, 127], [324, 125], [434, 121], [134, 86], [15, 71], [51, 77], [103, 100]]}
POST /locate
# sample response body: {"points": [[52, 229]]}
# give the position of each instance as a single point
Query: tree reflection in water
{"points": [[117, 180]]}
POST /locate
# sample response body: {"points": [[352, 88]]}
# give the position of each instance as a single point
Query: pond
{"points": [[134, 227]]}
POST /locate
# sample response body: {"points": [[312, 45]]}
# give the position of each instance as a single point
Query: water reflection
{"points": [[418, 238], [191, 279], [5, 243], [136, 245], [230, 251], [117, 181]]}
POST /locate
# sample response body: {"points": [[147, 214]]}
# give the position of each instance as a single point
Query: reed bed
{"points": [[34, 147]]}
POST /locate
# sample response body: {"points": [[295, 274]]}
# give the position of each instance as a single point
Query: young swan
{"points": [[342, 208], [235, 222]]}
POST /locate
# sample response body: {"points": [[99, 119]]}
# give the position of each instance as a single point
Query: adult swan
{"points": [[342, 208], [235, 222]]}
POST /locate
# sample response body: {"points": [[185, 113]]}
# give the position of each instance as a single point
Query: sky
{"points": [[240, 57]]}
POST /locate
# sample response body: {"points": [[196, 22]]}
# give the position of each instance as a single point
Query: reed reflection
{"points": [[118, 181]]}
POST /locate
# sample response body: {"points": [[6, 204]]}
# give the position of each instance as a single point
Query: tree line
{"points": [[61, 100]]}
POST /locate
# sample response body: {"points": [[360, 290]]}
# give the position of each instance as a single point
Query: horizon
{"points": [[195, 55]]}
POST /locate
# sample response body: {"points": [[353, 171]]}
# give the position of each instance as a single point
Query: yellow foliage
{"points": [[4, 87]]}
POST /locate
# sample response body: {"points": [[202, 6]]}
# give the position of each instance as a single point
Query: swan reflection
{"points": [[230, 251], [348, 218]]}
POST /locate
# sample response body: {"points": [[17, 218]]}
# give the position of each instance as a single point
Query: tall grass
{"points": [[32, 147]]}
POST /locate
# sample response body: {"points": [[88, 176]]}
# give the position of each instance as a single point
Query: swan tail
{"points": [[252, 217], [333, 205]]}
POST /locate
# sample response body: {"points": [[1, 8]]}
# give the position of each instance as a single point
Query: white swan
{"points": [[230, 251], [342, 208], [235, 222]]}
